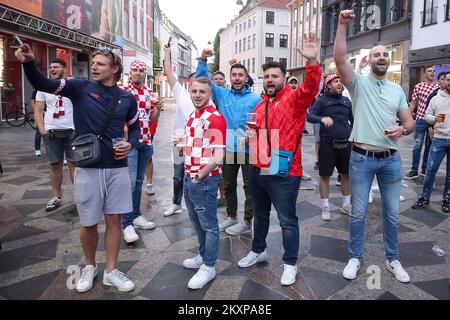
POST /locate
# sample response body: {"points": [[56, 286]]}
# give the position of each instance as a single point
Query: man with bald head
{"points": [[377, 103]]}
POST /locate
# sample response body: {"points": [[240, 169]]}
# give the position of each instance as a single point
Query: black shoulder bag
{"points": [[86, 148]]}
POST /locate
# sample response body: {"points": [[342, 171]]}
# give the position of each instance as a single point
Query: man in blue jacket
{"points": [[234, 104], [334, 113]]}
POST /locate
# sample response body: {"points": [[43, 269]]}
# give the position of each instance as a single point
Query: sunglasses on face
{"points": [[136, 70]]}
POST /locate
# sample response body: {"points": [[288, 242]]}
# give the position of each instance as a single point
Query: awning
{"points": [[14, 20]]}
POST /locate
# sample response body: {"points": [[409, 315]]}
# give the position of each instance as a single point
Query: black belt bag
{"points": [[86, 148], [59, 133], [337, 144]]}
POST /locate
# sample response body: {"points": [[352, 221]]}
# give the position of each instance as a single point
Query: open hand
{"points": [[310, 47]]}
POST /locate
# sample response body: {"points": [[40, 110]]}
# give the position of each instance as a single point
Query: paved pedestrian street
{"points": [[41, 250]]}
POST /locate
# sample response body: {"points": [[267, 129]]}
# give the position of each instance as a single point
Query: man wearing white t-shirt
{"points": [[57, 130], [184, 108]]}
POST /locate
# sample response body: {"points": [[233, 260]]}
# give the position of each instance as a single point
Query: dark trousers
{"points": [[37, 140], [232, 163]]}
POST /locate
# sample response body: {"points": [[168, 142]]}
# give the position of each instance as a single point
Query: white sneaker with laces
{"points": [[326, 216], [37, 153], [289, 275], [306, 176], [172, 210], [204, 275], [117, 279], [351, 269], [86, 280], [150, 190], [228, 222], [252, 258], [53, 203], [396, 268], [142, 223], [238, 229], [129, 235], [193, 263]]}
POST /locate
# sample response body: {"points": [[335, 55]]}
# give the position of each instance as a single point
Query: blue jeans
{"points": [[37, 140], [178, 176], [439, 149], [282, 192], [138, 158], [201, 205], [389, 176], [420, 133]]}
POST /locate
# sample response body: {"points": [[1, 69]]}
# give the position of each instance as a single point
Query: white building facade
{"points": [[259, 34]]}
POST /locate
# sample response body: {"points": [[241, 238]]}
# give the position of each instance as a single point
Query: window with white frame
{"points": [[270, 17], [283, 40], [270, 39]]}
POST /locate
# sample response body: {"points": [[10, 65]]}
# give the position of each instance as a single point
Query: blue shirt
{"points": [[234, 105], [91, 104]]}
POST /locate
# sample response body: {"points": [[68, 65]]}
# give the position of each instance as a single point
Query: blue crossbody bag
{"points": [[280, 160]]}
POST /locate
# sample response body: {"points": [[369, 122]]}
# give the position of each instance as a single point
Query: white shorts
{"points": [[101, 191]]}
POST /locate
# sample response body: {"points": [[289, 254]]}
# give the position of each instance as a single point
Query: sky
{"points": [[200, 19]]}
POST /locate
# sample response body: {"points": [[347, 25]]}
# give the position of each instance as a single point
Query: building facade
{"points": [[137, 21], [305, 16], [259, 34], [377, 23], [430, 40], [69, 30]]}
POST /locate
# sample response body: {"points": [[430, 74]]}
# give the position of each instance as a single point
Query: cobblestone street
{"points": [[38, 246]]}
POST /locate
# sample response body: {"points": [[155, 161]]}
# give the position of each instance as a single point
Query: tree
{"points": [[156, 51], [216, 47]]}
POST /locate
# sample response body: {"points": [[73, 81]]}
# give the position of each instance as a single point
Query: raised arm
{"points": [[167, 63], [66, 88], [344, 67]]}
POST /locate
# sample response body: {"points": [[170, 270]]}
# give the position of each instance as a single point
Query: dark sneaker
{"points": [[305, 132], [53, 204], [316, 165], [221, 202], [422, 202], [412, 175], [423, 172], [445, 205]]}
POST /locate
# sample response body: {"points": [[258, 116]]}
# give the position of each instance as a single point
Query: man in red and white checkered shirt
{"points": [[148, 109], [205, 135], [417, 106]]}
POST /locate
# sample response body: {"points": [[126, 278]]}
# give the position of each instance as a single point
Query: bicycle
{"points": [[19, 118]]}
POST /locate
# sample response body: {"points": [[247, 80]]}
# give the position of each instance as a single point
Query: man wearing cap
{"points": [[334, 113], [148, 110], [377, 103]]}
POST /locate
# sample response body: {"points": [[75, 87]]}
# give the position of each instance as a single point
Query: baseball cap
{"points": [[292, 78]]}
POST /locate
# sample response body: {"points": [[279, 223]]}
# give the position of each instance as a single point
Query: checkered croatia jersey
{"points": [[205, 130], [142, 96], [420, 94]]}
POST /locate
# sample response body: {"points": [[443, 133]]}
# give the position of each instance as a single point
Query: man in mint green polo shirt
{"points": [[377, 103]]}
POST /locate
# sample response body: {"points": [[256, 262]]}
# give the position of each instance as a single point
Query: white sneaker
{"points": [[172, 210], [65, 162], [37, 153], [142, 223], [193, 263], [396, 268], [150, 190], [351, 269], [203, 276], [289, 275], [306, 176], [252, 258], [402, 198], [129, 235], [87, 278], [117, 279], [346, 209], [326, 216], [228, 222], [238, 229]]}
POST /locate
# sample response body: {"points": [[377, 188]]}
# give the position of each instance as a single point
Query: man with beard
{"points": [[234, 104], [280, 118], [377, 103], [418, 106], [334, 113], [149, 110]]}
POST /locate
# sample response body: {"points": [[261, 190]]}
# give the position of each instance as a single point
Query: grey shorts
{"points": [[316, 129], [101, 191], [58, 142]]}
